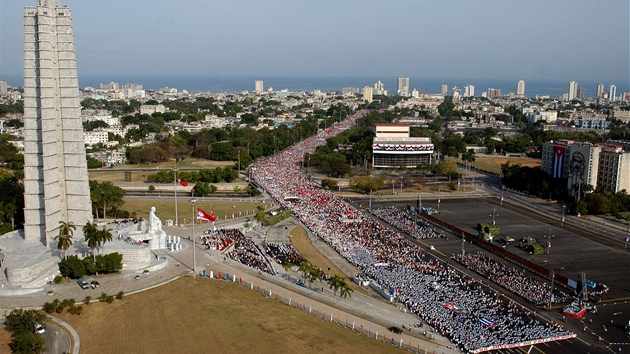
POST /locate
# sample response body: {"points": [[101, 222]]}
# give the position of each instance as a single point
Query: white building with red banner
{"points": [[393, 147]]}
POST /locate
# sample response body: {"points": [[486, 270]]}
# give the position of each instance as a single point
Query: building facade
{"points": [[520, 88], [392, 147], [259, 86], [403, 86], [55, 169], [367, 94]]}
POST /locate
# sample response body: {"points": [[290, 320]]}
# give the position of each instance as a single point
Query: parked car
{"points": [[83, 283], [39, 328], [95, 284]]}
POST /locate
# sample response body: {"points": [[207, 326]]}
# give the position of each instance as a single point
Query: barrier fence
{"points": [[360, 328]]}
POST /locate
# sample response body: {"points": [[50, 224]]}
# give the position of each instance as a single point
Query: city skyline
{"points": [[406, 39]]}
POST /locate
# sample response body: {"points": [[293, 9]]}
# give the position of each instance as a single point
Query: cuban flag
{"points": [[562, 218], [487, 322], [557, 170], [501, 198], [548, 244], [202, 215], [627, 238]]}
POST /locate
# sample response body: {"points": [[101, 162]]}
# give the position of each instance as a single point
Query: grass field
{"points": [[165, 208], [493, 163], [118, 174], [194, 315]]}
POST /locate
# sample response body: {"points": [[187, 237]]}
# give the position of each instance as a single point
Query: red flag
{"points": [[182, 182], [202, 215]]}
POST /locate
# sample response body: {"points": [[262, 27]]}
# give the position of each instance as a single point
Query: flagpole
{"points": [[175, 173]]}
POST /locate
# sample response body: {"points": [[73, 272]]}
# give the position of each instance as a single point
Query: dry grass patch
{"points": [[300, 241], [493, 163], [194, 315], [165, 208]]}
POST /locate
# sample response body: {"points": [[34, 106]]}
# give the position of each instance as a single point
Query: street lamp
{"points": [[370, 200], [494, 216], [564, 206], [549, 236], [502, 188], [194, 268]]}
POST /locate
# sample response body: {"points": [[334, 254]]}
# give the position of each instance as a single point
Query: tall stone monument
{"points": [[55, 171]]}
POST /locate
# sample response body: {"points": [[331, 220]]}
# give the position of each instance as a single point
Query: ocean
{"points": [[232, 84]]}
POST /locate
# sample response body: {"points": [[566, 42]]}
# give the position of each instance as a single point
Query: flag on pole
{"points": [[627, 238], [182, 182], [548, 244], [202, 215], [562, 218], [501, 198]]}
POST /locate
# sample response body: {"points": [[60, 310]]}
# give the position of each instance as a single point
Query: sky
{"points": [[533, 39]]}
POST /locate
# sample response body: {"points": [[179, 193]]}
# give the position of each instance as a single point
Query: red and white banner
{"points": [[202, 215]]}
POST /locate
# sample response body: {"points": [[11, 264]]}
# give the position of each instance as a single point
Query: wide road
{"points": [[575, 249]]}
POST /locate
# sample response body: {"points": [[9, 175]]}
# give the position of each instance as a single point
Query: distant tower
{"points": [[469, 91], [612, 95], [258, 86], [403, 86], [573, 90], [367, 94], [600, 90], [520, 88], [55, 170], [444, 89]]}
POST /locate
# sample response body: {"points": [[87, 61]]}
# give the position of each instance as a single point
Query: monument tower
{"points": [[55, 170]]}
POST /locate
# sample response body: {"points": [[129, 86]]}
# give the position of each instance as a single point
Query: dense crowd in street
{"points": [[405, 221], [244, 250], [283, 252], [512, 279], [454, 304], [216, 241]]}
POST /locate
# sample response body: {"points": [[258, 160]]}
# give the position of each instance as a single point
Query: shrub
{"points": [[103, 297], [75, 310], [58, 279], [119, 295], [72, 267], [110, 299], [50, 307], [87, 300], [68, 302]]}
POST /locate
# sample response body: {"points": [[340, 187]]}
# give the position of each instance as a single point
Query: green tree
{"points": [[91, 233], [334, 283], [330, 183], [64, 238], [24, 321], [345, 290], [27, 343], [104, 236]]}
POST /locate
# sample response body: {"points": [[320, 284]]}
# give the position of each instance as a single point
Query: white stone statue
{"points": [[155, 224]]}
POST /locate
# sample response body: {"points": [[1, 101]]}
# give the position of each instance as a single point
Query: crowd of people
{"points": [[482, 318], [244, 250], [404, 220], [512, 279], [283, 253], [215, 240]]}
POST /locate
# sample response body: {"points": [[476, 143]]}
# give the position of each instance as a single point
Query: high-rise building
{"points": [[55, 169], [612, 95], [379, 88], [493, 93], [3, 88], [112, 86], [258, 86], [403, 86], [520, 88], [469, 91], [367, 94], [444, 89], [573, 90], [457, 92], [600, 90]]}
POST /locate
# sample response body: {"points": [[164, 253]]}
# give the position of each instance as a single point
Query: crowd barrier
{"points": [[366, 330]]}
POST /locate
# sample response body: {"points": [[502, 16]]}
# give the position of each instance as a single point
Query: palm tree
{"points": [[64, 238], [287, 266], [314, 275], [104, 235], [334, 283], [91, 236], [345, 290]]}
